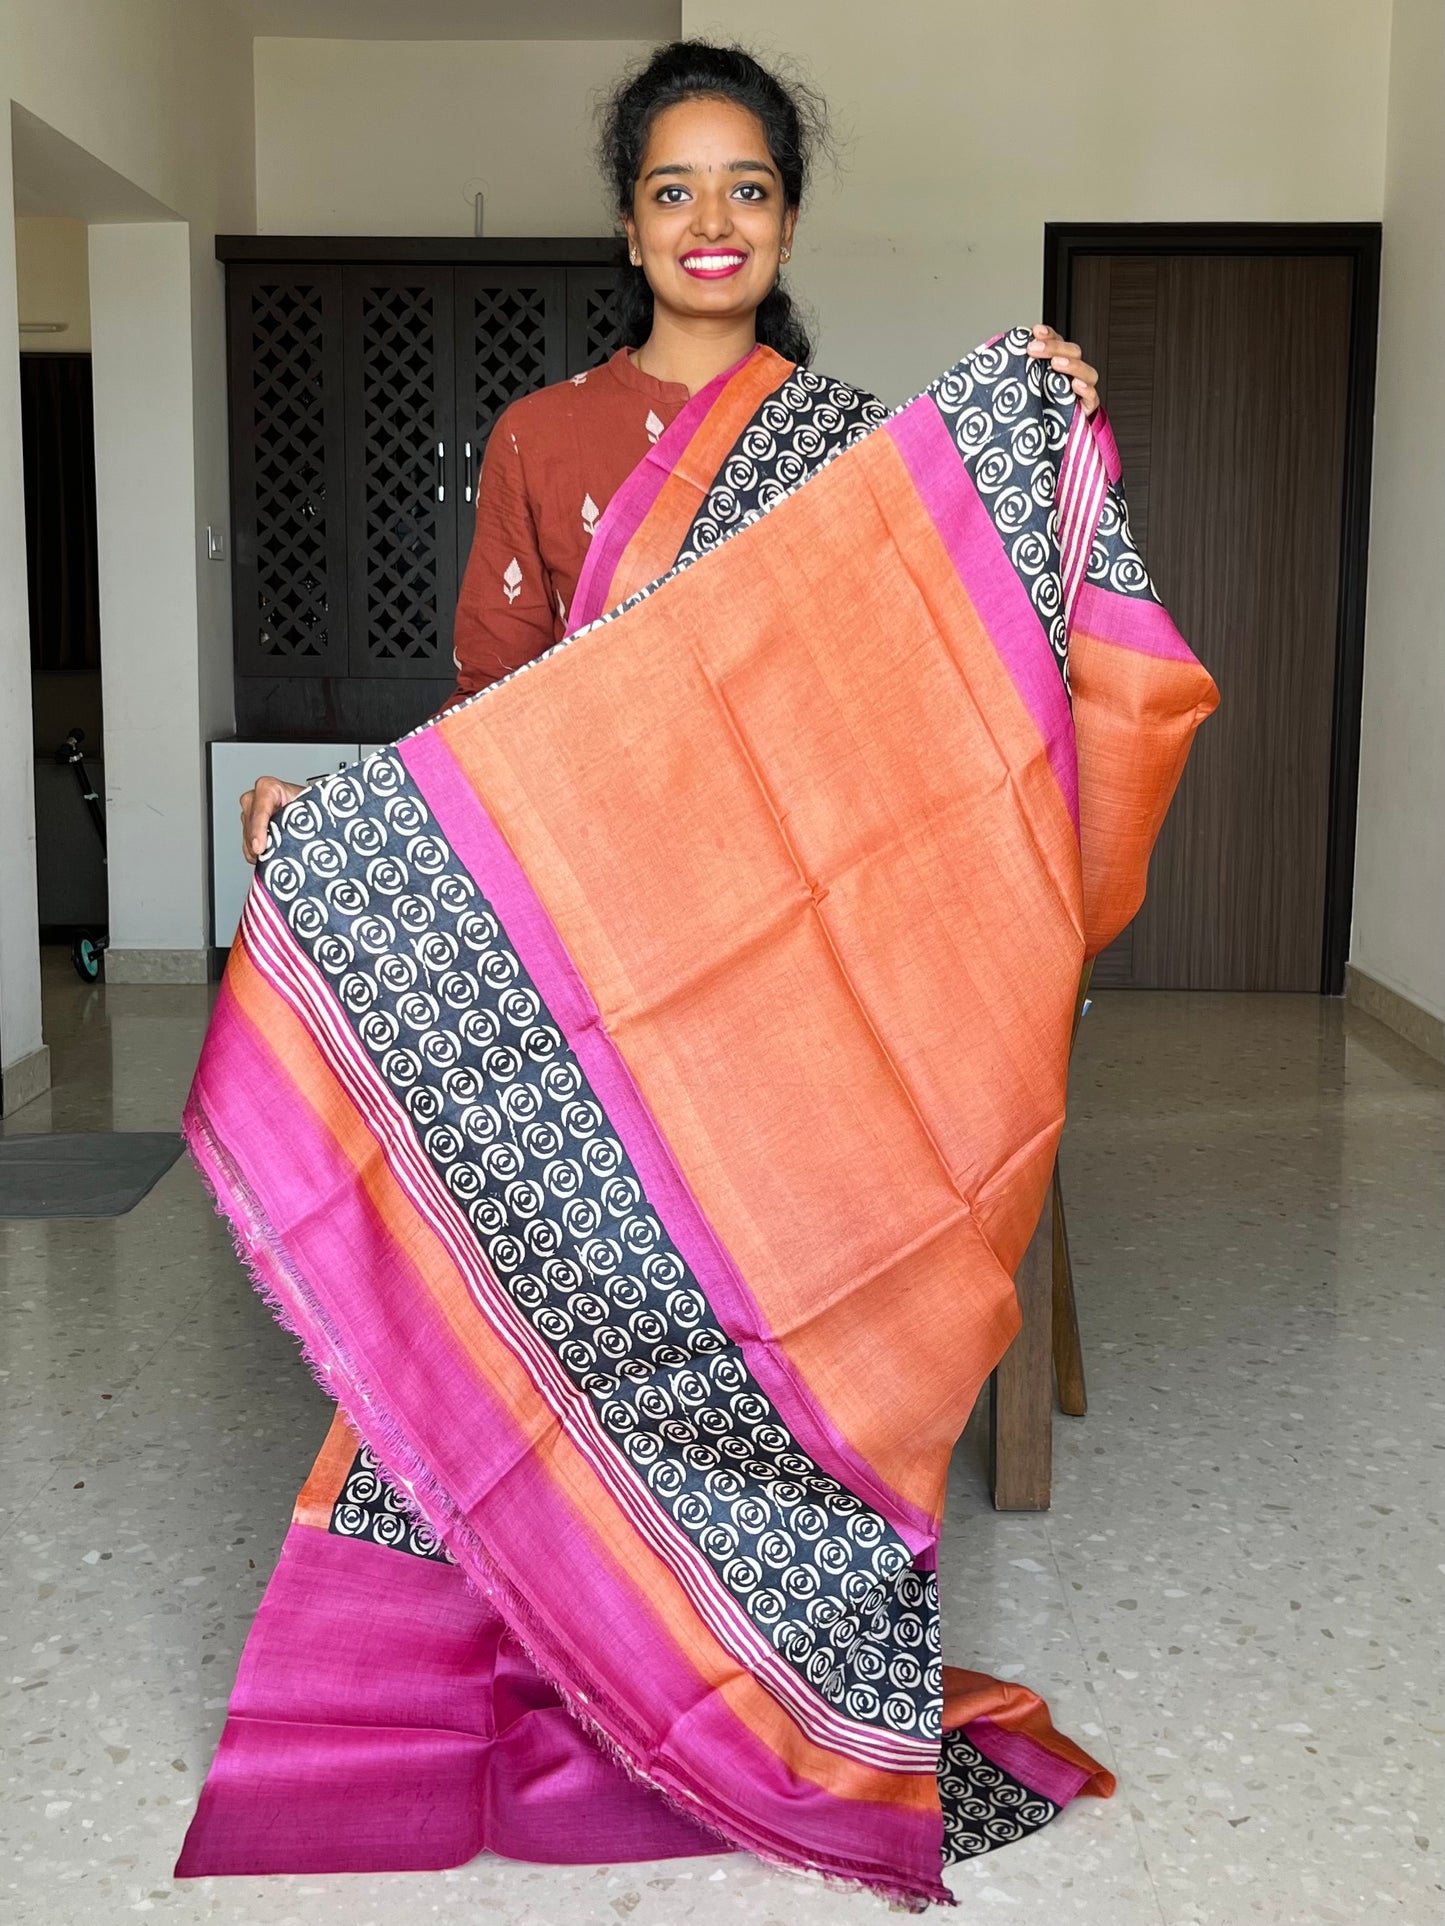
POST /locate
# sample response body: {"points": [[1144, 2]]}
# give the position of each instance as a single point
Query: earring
{"points": [[786, 255]]}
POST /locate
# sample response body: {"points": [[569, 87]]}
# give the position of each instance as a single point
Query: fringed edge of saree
{"points": [[280, 1285], [1033, 1768], [384, 1719]]}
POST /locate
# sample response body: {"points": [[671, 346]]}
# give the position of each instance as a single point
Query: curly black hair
{"points": [[794, 122]]}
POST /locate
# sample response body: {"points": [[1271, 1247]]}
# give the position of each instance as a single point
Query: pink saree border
{"points": [[788, 1820], [366, 1318], [425, 1772], [625, 512], [1129, 622], [385, 1720], [1024, 1759], [1108, 448], [481, 846], [921, 437]]}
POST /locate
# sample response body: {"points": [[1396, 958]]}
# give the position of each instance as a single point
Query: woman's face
{"points": [[708, 214]]}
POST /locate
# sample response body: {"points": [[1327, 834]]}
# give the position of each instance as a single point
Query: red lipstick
{"points": [[713, 263]]}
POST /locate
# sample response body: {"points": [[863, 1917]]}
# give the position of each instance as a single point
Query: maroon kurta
{"points": [[553, 463]]}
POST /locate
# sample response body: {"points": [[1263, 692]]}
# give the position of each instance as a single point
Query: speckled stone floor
{"points": [[1231, 1601]]}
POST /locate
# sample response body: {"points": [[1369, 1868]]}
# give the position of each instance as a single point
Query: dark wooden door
{"points": [[511, 337], [288, 493], [402, 469], [1227, 380]]}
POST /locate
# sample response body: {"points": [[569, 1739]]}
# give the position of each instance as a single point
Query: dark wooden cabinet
{"points": [[365, 377], [288, 483], [591, 316], [399, 424], [511, 337]]}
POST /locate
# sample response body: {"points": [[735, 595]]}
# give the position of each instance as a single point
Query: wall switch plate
{"points": [[215, 544]]}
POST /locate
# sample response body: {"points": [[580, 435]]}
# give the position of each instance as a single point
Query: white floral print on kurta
{"points": [[512, 580], [653, 426], [590, 513]]}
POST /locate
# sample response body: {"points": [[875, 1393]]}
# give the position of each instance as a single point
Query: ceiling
{"points": [[462, 19]]}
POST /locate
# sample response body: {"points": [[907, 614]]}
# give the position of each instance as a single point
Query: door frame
{"points": [[1359, 242]]}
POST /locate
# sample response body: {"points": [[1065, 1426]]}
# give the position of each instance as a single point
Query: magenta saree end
{"points": [[385, 1720], [658, 1597]]}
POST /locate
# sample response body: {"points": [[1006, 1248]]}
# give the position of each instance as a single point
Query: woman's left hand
{"points": [[1067, 358]]}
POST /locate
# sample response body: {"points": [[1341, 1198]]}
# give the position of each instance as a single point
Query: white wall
{"points": [[52, 273], [969, 124], [157, 93], [1399, 927], [21, 1046], [145, 489], [966, 126], [394, 137]]}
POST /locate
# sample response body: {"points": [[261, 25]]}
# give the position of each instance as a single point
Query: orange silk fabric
{"points": [[780, 905]]}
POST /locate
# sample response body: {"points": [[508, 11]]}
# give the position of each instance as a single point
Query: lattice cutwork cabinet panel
{"points": [[511, 338], [401, 468], [365, 379], [288, 491], [593, 333]]}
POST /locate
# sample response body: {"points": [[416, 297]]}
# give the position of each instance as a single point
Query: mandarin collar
{"points": [[631, 376]]}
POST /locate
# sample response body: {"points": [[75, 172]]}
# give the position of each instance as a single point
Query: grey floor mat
{"points": [[99, 1173]]}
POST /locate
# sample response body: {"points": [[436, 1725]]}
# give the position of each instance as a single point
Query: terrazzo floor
{"points": [[1232, 1600]]}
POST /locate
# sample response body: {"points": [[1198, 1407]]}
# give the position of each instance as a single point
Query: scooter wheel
{"points": [[85, 954]]}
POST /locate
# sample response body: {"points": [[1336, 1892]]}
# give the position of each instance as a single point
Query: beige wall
{"points": [[52, 277], [158, 94], [21, 1045], [968, 125], [394, 137], [156, 811], [1399, 927], [965, 127]]}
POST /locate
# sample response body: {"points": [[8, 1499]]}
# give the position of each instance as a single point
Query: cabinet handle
{"points": [[467, 471], [441, 471]]}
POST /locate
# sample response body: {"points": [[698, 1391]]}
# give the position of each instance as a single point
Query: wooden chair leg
{"points": [[1021, 1392], [1068, 1351]]}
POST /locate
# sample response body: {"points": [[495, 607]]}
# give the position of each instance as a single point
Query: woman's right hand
{"points": [[258, 806]]}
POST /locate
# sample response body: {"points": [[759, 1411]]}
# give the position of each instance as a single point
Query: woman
{"points": [[707, 157], [638, 1090]]}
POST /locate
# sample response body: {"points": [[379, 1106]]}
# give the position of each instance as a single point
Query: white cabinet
{"points": [[234, 767]]}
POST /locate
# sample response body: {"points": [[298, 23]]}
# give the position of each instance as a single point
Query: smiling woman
{"points": [[639, 1087], [706, 155]]}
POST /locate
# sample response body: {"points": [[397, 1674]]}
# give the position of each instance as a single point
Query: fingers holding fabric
{"points": [[1067, 358], [258, 806]]}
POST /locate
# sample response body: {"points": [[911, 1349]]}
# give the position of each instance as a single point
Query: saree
{"points": [[636, 1090]]}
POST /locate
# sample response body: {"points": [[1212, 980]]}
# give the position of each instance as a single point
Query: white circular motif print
{"points": [[420, 965]]}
